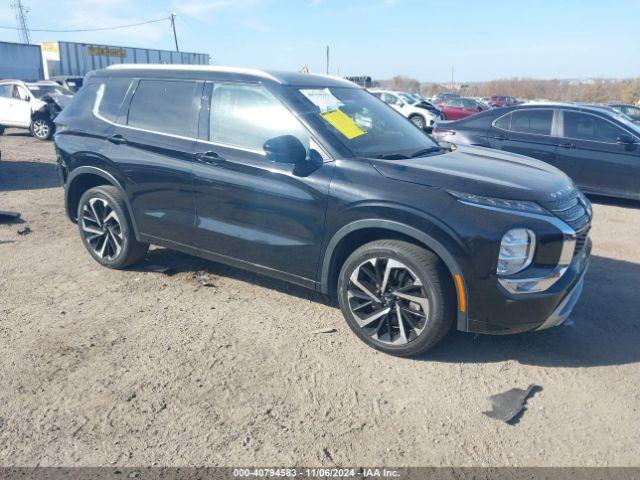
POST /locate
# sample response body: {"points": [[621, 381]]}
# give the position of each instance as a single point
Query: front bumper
{"points": [[537, 311]]}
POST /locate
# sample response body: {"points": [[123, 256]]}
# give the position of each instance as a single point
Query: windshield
{"points": [[410, 99], [39, 90], [364, 124]]}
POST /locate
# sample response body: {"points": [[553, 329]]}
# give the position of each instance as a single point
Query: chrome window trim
{"points": [[100, 93], [561, 128]]}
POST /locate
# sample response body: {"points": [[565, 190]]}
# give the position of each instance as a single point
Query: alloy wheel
{"points": [[40, 128], [388, 301], [418, 122], [102, 228]]}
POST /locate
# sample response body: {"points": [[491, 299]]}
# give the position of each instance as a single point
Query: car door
{"points": [[251, 210], [15, 109], [469, 107], [152, 144], [593, 151], [530, 134], [454, 109]]}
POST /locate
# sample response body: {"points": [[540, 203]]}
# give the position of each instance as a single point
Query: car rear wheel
{"points": [[106, 229], [418, 121], [397, 297], [42, 128]]}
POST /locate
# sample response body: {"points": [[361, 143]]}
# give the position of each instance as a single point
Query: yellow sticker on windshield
{"points": [[343, 123]]}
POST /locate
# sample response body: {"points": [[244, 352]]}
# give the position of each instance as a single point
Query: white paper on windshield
{"points": [[323, 99]]}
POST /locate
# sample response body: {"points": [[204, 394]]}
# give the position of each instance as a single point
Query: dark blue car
{"points": [[597, 148]]}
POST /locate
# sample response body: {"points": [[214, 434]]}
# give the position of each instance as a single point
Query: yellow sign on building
{"points": [[107, 52]]}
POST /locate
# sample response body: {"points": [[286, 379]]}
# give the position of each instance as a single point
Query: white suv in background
{"points": [[407, 106], [31, 105]]}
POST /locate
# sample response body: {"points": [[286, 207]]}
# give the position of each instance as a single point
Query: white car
{"points": [[31, 105], [407, 106]]}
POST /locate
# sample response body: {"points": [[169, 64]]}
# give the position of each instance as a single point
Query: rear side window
{"points": [[504, 122], [114, 91], [166, 106], [588, 127], [532, 121]]}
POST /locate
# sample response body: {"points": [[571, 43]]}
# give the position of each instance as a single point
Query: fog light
{"points": [[516, 251]]}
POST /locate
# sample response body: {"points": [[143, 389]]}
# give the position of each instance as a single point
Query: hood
{"points": [[60, 99], [481, 171]]}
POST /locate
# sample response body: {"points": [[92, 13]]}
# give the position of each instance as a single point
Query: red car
{"points": [[502, 101], [457, 108]]}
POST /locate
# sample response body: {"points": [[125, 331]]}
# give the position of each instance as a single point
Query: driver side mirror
{"points": [[285, 149], [626, 140]]}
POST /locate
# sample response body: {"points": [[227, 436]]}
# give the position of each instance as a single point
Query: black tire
{"points": [[418, 121], [42, 128], [116, 246], [1, 129], [435, 287]]}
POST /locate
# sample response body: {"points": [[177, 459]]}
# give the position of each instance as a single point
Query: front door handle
{"points": [[567, 145], [211, 158], [117, 139], [498, 137]]}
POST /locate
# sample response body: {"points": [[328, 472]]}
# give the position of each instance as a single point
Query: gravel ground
{"points": [[209, 365]]}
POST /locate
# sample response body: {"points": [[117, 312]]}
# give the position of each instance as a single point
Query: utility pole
{"points": [[21, 18], [327, 59], [173, 26], [451, 78]]}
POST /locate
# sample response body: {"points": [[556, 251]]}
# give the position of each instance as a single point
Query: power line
{"points": [[5, 27]]}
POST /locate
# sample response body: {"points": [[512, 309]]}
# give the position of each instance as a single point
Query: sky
{"points": [[423, 39]]}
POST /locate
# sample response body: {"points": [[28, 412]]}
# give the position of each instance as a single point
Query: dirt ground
{"points": [[135, 368]]}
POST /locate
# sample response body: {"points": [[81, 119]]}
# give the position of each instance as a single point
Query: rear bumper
{"points": [[525, 313]]}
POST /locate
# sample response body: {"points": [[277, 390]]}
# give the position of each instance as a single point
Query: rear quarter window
{"points": [[113, 93]]}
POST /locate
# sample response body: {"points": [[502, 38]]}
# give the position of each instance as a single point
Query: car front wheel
{"points": [[418, 121], [106, 229], [42, 128], [397, 297]]}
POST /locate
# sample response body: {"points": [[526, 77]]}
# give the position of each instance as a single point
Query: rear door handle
{"points": [[117, 139], [567, 145], [210, 158]]}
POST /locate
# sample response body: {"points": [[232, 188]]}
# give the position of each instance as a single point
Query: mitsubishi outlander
{"points": [[313, 180]]}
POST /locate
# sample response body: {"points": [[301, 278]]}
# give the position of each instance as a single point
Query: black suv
{"points": [[313, 180], [593, 144]]}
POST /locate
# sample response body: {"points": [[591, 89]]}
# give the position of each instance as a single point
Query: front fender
{"points": [[437, 240]]}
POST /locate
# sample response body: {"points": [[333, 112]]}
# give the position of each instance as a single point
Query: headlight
{"points": [[516, 251], [517, 205]]}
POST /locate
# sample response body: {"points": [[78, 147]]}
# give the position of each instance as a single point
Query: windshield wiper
{"points": [[392, 156], [424, 151]]}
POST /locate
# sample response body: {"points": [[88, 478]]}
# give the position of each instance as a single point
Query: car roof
{"points": [[206, 72], [565, 106]]}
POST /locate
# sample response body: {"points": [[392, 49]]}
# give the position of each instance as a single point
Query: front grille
{"points": [[570, 210], [581, 241]]}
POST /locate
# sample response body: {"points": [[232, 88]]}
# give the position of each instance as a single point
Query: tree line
{"points": [[595, 90]]}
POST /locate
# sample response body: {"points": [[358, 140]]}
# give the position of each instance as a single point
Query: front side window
{"points": [[390, 99], [536, 122], [112, 92], [582, 126], [166, 106], [362, 123], [246, 116], [6, 90], [469, 104]]}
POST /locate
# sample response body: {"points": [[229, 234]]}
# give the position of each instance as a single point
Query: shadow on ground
{"points": [[178, 262], [27, 175], [604, 328]]}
